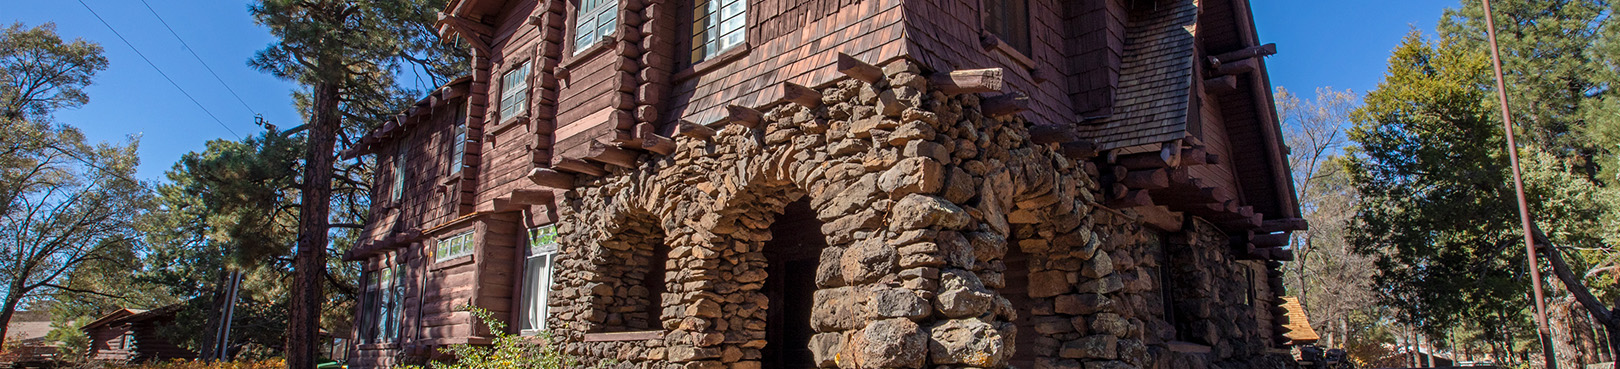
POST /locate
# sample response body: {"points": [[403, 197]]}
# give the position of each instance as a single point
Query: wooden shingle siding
{"points": [[936, 29], [1094, 39], [1152, 102]]}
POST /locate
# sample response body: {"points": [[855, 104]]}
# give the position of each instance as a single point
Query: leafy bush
{"points": [[506, 351]]}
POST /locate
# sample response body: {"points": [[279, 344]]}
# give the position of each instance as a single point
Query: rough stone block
{"points": [[912, 175], [962, 295], [1100, 346], [891, 343], [917, 211], [1048, 283], [970, 342]]}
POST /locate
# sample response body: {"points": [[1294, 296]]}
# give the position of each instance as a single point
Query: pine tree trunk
{"points": [[7, 310], [309, 264]]}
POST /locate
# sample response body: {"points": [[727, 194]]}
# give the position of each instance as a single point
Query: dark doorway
{"points": [[1017, 292], [792, 254]]}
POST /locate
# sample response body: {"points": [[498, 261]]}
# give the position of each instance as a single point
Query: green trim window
{"points": [[594, 21], [538, 264], [454, 246], [1009, 21], [717, 26], [515, 92]]}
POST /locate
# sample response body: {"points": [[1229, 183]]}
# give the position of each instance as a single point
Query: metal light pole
{"points": [[1518, 187]]}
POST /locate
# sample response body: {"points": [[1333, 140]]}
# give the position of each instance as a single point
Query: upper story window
{"points": [[398, 188], [538, 264], [1009, 21], [458, 142], [453, 247], [717, 25], [594, 21], [515, 92]]}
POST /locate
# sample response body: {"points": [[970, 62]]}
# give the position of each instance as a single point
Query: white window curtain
{"points": [[537, 277]]}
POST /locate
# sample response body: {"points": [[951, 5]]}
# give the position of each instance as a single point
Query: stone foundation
{"points": [[936, 221]]}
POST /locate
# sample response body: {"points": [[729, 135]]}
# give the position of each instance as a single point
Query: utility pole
{"points": [[1518, 187]]}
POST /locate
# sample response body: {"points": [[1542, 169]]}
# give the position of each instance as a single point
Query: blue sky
{"points": [[1342, 44]]}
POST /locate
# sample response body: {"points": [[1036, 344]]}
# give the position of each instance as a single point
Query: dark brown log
{"points": [[1052, 133], [612, 154], [689, 129], [1194, 156], [551, 178], [532, 196], [1160, 217], [1238, 67], [1284, 225], [1280, 254], [1147, 179], [1212, 158], [1118, 173], [857, 69], [658, 144], [561, 73], [1145, 160], [968, 81], [1132, 199], [1245, 53], [578, 166], [1222, 84], [747, 117], [804, 96], [646, 114], [1242, 220], [1118, 191], [1080, 150], [1270, 240], [1004, 105]]}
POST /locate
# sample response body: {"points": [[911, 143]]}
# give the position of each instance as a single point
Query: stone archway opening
{"points": [[792, 256], [1016, 290]]}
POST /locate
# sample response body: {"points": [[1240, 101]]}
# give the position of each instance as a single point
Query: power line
{"points": [[159, 70], [199, 58]]}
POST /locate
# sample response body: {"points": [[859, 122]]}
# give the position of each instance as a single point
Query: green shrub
{"points": [[507, 351]]}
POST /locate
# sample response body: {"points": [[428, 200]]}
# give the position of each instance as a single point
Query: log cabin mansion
{"points": [[790, 184]]}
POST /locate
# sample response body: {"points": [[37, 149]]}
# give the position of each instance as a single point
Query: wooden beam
{"points": [[551, 178], [645, 137], [1042, 134], [1160, 217], [579, 166], [1132, 199], [745, 116], [1280, 254], [1245, 53], [1222, 84], [968, 81], [1238, 67], [532, 196], [1284, 225], [1147, 179], [689, 129], [1145, 160], [804, 96], [1004, 105], [1270, 240], [1079, 150], [857, 69], [611, 154], [1194, 156]]}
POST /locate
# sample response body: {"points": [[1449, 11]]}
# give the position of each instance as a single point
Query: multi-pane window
{"points": [[458, 142], [594, 21], [382, 302], [515, 92], [1009, 21], [454, 246], [538, 264], [717, 25], [398, 188]]}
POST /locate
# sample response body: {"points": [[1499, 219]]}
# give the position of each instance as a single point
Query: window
{"points": [[1009, 21], [458, 142], [594, 21], [515, 92], [454, 246], [717, 25], [382, 302], [537, 267], [398, 188], [127, 342]]}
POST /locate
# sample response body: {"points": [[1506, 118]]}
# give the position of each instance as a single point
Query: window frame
{"points": [[458, 143], [396, 189], [466, 247], [1017, 48], [703, 20], [534, 309], [599, 31], [516, 96]]}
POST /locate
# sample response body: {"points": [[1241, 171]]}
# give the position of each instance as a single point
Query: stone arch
{"points": [[611, 274]]}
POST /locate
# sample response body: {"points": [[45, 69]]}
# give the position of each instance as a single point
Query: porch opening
{"points": [[792, 254], [1017, 292]]}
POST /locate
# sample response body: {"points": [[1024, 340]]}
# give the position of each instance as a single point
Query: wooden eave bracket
{"points": [[1005, 104], [969, 81], [801, 95], [551, 178], [857, 69], [1244, 54], [475, 33]]}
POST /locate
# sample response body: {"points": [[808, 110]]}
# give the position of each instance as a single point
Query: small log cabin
{"points": [[129, 336], [839, 184]]}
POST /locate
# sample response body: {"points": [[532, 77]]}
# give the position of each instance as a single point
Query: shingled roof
{"points": [[1155, 79], [1299, 326]]}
